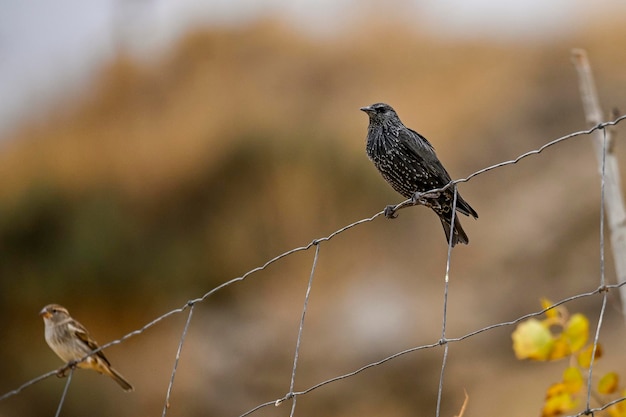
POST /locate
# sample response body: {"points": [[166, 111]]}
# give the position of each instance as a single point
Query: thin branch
{"points": [[464, 406]]}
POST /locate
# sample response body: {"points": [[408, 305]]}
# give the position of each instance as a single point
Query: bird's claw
{"points": [[424, 199], [71, 365], [390, 212]]}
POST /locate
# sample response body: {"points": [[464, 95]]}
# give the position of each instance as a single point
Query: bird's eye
{"points": [[380, 110]]}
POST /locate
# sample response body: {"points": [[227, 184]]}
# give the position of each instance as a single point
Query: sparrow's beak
{"points": [[366, 109], [45, 314]]}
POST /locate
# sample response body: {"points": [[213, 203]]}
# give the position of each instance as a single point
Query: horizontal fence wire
{"points": [[444, 341]]}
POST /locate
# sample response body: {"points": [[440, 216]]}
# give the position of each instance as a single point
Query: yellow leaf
{"points": [[618, 409], [584, 356], [608, 383], [553, 312], [577, 331], [555, 390], [558, 401], [572, 379], [560, 349], [532, 340]]}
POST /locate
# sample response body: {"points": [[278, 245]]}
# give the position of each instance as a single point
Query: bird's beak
{"points": [[366, 109], [45, 314]]}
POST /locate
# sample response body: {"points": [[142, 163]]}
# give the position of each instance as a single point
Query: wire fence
{"points": [[443, 342]]}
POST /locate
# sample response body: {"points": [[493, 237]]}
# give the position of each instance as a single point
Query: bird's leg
{"points": [[62, 373], [428, 199], [424, 199]]}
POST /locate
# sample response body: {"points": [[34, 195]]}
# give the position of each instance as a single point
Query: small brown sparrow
{"points": [[71, 342]]}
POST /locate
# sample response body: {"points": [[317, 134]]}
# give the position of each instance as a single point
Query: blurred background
{"points": [[152, 150]]}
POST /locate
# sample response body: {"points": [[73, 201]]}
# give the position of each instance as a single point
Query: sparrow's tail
{"points": [[126, 386]]}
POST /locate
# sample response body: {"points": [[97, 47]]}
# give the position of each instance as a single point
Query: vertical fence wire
{"points": [[166, 406], [602, 277], [301, 329], [65, 389], [444, 321]]}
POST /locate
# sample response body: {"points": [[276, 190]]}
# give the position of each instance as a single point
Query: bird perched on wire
{"points": [[407, 161], [71, 342]]}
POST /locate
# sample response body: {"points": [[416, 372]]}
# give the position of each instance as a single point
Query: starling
{"points": [[407, 161]]}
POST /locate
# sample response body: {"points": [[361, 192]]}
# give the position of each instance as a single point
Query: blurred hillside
{"points": [[169, 178]]}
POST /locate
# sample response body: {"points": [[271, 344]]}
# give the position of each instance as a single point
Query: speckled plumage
{"points": [[407, 161]]}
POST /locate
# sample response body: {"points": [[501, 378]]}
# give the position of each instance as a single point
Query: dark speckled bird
{"points": [[407, 161]]}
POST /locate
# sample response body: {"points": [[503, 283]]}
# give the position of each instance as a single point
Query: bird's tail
{"points": [[117, 377], [459, 234]]}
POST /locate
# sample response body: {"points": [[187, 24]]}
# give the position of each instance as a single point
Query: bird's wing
{"points": [[424, 151], [416, 135], [81, 333]]}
